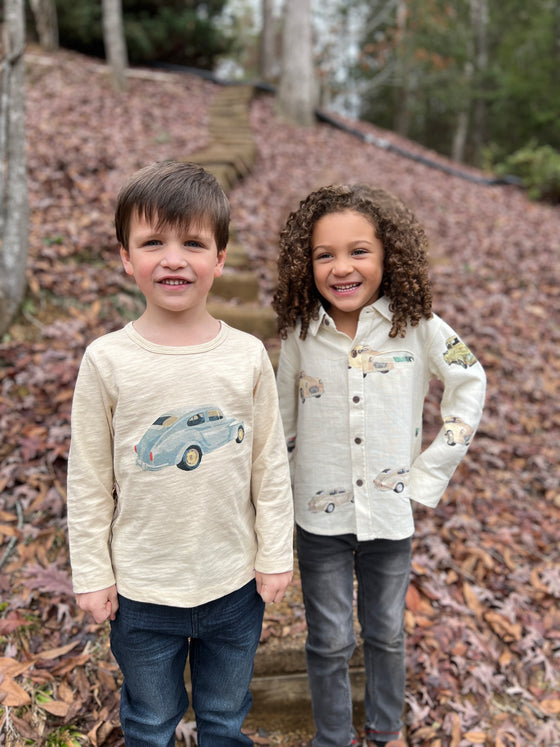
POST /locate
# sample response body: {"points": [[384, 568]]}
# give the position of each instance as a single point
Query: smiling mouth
{"points": [[346, 288], [174, 281]]}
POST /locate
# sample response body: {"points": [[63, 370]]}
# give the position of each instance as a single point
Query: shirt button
{"points": [[357, 440], [355, 399], [327, 322], [359, 483]]}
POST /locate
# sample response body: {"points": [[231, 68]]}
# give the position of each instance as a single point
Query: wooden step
{"points": [[240, 284], [253, 318], [237, 256]]}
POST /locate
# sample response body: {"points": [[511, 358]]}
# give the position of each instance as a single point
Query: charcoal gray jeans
{"points": [[382, 568]]}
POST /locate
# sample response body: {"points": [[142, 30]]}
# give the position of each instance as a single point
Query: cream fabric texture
{"points": [[169, 535], [352, 414]]}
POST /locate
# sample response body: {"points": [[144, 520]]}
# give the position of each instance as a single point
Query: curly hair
{"points": [[405, 282]]}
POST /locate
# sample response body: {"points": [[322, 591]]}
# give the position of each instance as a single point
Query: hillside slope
{"points": [[483, 615]]}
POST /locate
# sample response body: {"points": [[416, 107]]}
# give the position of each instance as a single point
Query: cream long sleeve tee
{"points": [[178, 477], [352, 413]]}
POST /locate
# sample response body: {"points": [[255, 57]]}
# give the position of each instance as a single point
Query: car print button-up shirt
{"points": [[352, 415]]}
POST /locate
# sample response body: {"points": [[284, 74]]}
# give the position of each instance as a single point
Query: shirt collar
{"points": [[323, 318]]}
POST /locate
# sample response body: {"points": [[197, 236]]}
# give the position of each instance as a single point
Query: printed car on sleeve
{"points": [[457, 352], [327, 500], [392, 479], [182, 437], [457, 431]]}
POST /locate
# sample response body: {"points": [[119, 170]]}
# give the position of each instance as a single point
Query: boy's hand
{"points": [[271, 586], [102, 605]]}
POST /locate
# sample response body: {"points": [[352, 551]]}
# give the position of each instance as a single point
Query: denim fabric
{"points": [[382, 567], [151, 643]]}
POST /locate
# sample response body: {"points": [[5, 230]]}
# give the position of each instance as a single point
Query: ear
{"points": [[125, 259], [220, 262]]}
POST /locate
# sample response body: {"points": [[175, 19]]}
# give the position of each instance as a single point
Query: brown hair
{"points": [[405, 282], [173, 193]]}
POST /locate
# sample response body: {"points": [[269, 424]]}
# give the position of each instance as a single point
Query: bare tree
{"points": [[472, 111], [403, 72], [268, 53], [114, 40], [46, 23], [459, 142], [297, 92], [479, 21], [13, 183]]}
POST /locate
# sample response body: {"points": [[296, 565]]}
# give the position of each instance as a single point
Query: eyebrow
{"points": [[358, 242]]}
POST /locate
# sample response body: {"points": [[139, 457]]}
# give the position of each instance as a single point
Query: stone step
{"points": [[225, 173], [237, 257], [250, 317], [230, 156], [240, 284], [241, 161], [236, 93], [231, 151]]}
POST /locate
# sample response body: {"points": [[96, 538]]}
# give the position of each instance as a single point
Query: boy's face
{"points": [[173, 268]]}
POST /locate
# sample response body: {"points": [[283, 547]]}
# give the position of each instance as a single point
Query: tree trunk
{"points": [[402, 71], [479, 22], [297, 92], [46, 23], [460, 136], [114, 40], [268, 61], [13, 183]]}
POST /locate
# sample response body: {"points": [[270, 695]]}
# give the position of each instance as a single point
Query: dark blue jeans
{"points": [[382, 568], [151, 643]]}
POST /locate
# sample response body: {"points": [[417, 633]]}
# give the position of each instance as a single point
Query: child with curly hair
{"points": [[360, 344]]}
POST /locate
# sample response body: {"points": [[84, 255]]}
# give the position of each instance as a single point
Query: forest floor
{"points": [[483, 616]]}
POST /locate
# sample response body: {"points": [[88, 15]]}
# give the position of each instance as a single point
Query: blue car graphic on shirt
{"points": [[182, 437]]}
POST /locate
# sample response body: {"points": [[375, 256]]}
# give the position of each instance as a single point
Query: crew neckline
{"points": [[155, 347]]}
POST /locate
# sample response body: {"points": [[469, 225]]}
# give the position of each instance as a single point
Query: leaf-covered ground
{"points": [[483, 614]]}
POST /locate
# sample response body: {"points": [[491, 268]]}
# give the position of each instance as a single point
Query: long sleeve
{"points": [[287, 382], [270, 482], [449, 360], [90, 482]]}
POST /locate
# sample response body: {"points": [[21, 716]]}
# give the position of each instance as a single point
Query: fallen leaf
{"points": [[550, 706], [56, 708], [12, 694], [476, 737]]}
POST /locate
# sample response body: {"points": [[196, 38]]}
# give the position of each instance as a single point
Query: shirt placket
{"points": [[357, 432]]}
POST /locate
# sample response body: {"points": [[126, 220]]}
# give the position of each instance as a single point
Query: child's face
{"points": [[174, 269], [347, 262]]}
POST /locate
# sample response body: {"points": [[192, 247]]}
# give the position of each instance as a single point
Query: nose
{"points": [[342, 266], [174, 256]]}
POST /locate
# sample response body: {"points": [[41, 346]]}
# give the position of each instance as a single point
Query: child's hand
{"points": [[271, 586], [102, 605]]}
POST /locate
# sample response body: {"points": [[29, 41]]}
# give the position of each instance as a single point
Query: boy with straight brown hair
{"points": [[179, 504]]}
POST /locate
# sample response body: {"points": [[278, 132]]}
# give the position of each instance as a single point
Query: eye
{"points": [[360, 250], [321, 256], [194, 243], [152, 242]]}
